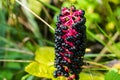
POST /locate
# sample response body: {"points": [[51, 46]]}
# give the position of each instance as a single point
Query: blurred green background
{"points": [[25, 40]]}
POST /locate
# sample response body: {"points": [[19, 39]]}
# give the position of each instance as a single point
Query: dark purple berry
{"points": [[70, 38], [55, 74]]}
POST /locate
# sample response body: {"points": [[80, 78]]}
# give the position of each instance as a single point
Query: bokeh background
{"points": [[27, 42]]}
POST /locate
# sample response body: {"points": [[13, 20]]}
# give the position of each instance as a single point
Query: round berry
{"points": [[55, 74], [66, 74], [70, 38]]}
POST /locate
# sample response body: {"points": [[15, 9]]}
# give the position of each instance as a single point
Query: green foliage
{"points": [[91, 76], [49, 6], [7, 74], [21, 33], [43, 52], [43, 64], [40, 70], [112, 75]]}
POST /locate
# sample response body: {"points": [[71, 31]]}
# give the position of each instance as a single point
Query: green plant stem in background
{"points": [[21, 61], [103, 32], [35, 15], [97, 54], [98, 64], [96, 38], [28, 61], [16, 50], [32, 23], [49, 42], [104, 50]]}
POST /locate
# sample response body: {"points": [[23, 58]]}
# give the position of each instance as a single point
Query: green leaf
{"points": [[43, 64], [91, 76], [27, 77], [112, 75], [40, 70], [45, 55]]}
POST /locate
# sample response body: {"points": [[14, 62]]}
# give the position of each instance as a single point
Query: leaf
{"points": [[112, 75], [40, 70], [91, 76], [43, 64], [45, 55]]}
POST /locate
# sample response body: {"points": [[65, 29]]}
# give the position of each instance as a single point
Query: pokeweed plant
{"points": [[70, 37]]}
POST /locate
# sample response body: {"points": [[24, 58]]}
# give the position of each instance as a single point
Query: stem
{"points": [[21, 61], [71, 11], [35, 15], [97, 64], [104, 50], [16, 50]]}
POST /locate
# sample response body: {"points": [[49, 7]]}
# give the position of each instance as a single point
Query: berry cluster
{"points": [[70, 37]]}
